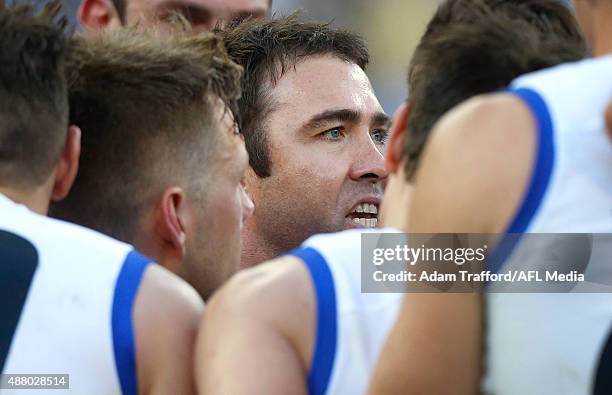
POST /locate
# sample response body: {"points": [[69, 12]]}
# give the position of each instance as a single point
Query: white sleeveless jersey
{"points": [[66, 297], [351, 326], [556, 343]]}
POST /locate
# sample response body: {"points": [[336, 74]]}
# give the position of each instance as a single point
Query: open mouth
{"points": [[365, 214]]}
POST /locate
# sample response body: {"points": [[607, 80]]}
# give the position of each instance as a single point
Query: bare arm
{"points": [[166, 317], [472, 180], [256, 336]]}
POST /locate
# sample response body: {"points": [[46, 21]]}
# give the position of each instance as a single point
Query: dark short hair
{"points": [[145, 106], [33, 97], [121, 8], [473, 47], [266, 50]]}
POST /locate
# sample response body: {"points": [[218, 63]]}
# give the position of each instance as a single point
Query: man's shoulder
{"points": [[268, 286]]}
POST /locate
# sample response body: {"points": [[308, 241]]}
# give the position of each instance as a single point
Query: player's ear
{"points": [[172, 221], [68, 165], [99, 14], [395, 146]]}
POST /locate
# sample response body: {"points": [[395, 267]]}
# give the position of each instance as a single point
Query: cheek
{"points": [[233, 207], [300, 192], [309, 181], [311, 165]]}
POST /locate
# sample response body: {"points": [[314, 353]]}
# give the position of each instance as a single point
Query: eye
{"points": [[380, 136], [335, 134]]}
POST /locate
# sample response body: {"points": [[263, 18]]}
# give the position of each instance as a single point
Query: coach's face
{"points": [[202, 14], [325, 134]]}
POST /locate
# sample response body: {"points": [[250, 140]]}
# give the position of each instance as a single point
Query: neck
{"points": [[255, 249], [396, 203], [147, 237], [36, 200], [602, 38]]}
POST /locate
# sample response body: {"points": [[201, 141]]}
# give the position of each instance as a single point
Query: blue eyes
{"points": [[379, 136], [333, 134], [337, 134]]}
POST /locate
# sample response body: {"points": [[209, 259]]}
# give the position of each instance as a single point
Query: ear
{"points": [[173, 218], [99, 14], [395, 147], [68, 166]]}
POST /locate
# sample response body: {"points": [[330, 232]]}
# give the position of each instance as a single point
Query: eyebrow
{"points": [[346, 115], [329, 116], [381, 119]]}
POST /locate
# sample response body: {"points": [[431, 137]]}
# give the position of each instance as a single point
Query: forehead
{"points": [[246, 5], [225, 7], [321, 83]]}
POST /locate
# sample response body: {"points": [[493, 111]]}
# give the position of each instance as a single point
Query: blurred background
{"points": [[392, 29]]}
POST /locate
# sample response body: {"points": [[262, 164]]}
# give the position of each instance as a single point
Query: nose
{"points": [[368, 163], [248, 207]]}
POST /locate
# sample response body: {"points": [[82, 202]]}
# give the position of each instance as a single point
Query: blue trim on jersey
{"points": [[540, 179], [545, 158], [326, 338], [126, 288]]}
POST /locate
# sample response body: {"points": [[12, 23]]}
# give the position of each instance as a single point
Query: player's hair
{"points": [[473, 47], [146, 107], [33, 97], [266, 50]]}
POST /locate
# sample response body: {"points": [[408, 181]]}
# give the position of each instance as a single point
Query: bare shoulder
{"points": [[499, 119], [269, 292], [479, 157], [265, 313], [166, 314]]}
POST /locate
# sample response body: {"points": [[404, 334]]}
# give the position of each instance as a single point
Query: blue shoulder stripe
{"points": [[126, 289], [326, 337], [540, 178], [545, 158]]}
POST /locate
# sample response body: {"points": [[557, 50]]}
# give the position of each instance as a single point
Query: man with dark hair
{"points": [[544, 166], [314, 130], [331, 344], [203, 15], [473, 72], [72, 301], [162, 157]]}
